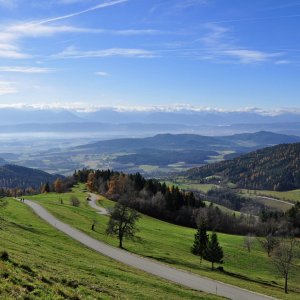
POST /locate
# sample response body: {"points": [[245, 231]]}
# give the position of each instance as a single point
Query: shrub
{"points": [[4, 256], [74, 201]]}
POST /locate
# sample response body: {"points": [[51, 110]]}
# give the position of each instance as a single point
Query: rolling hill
{"points": [[13, 176], [191, 141], [272, 168]]}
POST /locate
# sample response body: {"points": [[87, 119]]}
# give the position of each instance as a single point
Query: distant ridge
{"points": [[13, 176], [272, 168], [192, 141]]}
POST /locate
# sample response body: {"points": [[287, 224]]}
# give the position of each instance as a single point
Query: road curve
{"points": [[183, 278], [276, 200], [93, 203]]}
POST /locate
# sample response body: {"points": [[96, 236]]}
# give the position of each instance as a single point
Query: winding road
{"points": [[180, 277], [93, 204]]}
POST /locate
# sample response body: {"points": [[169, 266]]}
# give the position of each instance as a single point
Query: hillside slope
{"points": [[272, 168], [13, 176]]}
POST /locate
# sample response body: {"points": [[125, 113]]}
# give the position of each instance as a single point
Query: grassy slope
{"points": [[291, 196], [46, 264], [171, 244]]}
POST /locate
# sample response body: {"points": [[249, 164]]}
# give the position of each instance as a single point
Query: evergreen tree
{"points": [[200, 242], [213, 251]]}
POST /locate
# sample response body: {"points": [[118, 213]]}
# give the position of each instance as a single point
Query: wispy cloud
{"points": [[102, 74], [8, 3], [72, 52], [7, 87], [25, 70], [221, 46], [8, 50], [11, 34]]}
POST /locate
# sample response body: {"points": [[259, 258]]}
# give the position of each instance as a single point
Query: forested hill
{"points": [[192, 141], [12, 176], [272, 168]]}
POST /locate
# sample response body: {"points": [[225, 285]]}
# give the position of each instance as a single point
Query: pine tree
{"points": [[213, 251], [200, 242]]}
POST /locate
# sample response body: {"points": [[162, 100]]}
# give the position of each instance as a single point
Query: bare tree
{"points": [[122, 222], [268, 243], [249, 241], [283, 258]]}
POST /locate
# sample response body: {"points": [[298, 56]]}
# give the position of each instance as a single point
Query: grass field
{"points": [[224, 209], [171, 244], [291, 196], [192, 186], [46, 264]]}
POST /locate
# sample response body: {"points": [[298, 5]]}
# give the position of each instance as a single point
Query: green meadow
{"points": [[171, 244], [46, 264]]}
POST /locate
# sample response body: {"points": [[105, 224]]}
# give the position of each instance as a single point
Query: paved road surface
{"points": [[178, 276], [93, 204]]}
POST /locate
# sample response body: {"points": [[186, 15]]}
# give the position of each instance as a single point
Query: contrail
{"points": [[255, 19], [99, 6]]}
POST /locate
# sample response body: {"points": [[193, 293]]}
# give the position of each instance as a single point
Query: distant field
{"points": [[224, 209], [192, 186], [171, 244], [291, 196], [46, 264]]}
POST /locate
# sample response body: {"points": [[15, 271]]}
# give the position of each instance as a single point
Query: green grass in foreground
{"points": [[46, 264], [171, 244]]}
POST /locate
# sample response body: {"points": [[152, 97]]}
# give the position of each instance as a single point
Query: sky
{"points": [[226, 54]]}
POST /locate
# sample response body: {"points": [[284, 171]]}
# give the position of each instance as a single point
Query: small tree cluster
{"points": [[207, 247]]}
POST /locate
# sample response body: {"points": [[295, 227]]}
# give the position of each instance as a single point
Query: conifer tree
{"points": [[200, 242], [213, 251]]}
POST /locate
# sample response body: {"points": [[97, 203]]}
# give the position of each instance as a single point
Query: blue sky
{"points": [[204, 53]]}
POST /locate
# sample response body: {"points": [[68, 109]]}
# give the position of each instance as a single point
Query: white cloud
{"points": [[8, 50], [221, 46], [11, 34], [7, 87], [282, 62], [85, 107], [25, 70], [72, 52], [249, 56], [102, 74]]}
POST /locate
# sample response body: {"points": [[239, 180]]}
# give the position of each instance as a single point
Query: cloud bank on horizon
{"points": [[127, 53]]}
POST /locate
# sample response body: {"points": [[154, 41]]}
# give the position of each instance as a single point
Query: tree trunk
{"points": [[120, 241], [212, 265], [286, 284]]}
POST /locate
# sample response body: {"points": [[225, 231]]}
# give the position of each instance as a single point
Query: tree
{"points": [[45, 188], [122, 222], [268, 243], [283, 257], [213, 251], [248, 241], [58, 186], [200, 242]]}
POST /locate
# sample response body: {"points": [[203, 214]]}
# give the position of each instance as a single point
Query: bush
{"points": [[4, 256], [74, 201]]}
